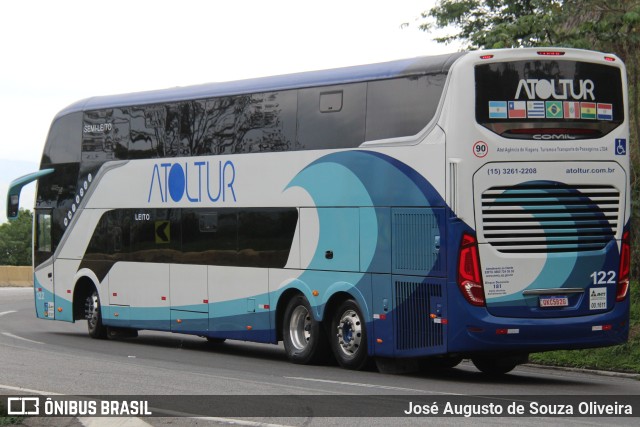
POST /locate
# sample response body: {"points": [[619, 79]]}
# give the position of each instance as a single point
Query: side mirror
{"points": [[13, 196], [13, 205]]}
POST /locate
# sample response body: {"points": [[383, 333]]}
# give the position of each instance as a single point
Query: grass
{"points": [[10, 421], [620, 358]]}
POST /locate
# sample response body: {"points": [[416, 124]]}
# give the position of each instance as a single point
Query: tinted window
{"points": [[322, 125], [64, 140], [229, 237], [155, 234], [402, 107], [556, 99], [210, 236], [224, 125], [111, 238], [265, 236], [42, 242]]}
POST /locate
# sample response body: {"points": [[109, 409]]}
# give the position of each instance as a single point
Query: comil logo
{"points": [[556, 89]]}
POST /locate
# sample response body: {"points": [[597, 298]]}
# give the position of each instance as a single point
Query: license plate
{"points": [[554, 301]]}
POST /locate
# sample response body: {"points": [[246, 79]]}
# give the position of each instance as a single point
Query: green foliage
{"points": [[496, 24], [15, 240], [10, 421]]}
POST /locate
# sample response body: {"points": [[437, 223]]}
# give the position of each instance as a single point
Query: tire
{"points": [[305, 341], [498, 365], [349, 336], [93, 314], [435, 364]]}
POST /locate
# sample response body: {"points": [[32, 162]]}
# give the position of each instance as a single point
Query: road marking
{"points": [[7, 312], [28, 390], [383, 387], [232, 421], [113, 422], [7, 334]]}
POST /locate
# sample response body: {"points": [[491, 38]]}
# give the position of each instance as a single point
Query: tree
{"points": [[494, 24], [604, 25], [15, 240]]}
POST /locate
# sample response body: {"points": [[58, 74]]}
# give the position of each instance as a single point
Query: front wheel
{"points": [[304, 338], [349, 336], [93, 314]]}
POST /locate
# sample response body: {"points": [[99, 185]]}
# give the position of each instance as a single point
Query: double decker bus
{"points": [[472, 205]]}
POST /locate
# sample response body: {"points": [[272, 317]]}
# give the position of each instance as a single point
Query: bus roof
{"points": [[386, 70]]}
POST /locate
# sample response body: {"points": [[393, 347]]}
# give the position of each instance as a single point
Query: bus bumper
{"points": [[479, 331]]}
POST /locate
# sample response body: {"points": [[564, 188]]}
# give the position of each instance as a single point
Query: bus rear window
{"points": [[549, 99]]}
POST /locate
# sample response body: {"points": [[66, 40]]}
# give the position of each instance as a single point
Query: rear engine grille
{"points": [[414, 328], [546, 217]]}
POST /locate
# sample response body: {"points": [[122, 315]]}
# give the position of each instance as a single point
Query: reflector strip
{"points": [[507, 331]]}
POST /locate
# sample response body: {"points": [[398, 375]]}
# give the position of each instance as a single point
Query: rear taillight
{"points": [[469, 275], [625, 267]]}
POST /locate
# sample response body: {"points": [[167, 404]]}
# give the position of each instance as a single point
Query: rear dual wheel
{"points": [[349, 336], [304, 338]]}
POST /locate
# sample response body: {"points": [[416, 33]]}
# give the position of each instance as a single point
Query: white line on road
{"points": [[7, 334], [7, 312], [28, 390], [382, 387], [113, 422], [232, 421]]}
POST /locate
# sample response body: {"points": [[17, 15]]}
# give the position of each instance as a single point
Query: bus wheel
{"points": [[93, 314], [349, 336], [434, 364], [498, 365], [304, 339]]}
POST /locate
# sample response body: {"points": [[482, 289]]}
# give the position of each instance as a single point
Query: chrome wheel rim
{"points": [[300, 328], [349, 333]]}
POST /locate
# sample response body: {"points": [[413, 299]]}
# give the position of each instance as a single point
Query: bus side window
{"points": [[402, 107], [331, 116], [43, 232]]}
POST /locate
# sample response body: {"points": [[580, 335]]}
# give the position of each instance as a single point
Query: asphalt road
{"points": [[47, 357]]}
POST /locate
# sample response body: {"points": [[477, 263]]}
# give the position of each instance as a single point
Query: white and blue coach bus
{"points": [[473, 205]]}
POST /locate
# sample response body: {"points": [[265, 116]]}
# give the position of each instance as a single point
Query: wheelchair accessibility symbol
{"points": [[621, 147]]}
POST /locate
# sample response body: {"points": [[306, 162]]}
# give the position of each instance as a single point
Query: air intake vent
{"points": [[546, 217], [416, 241], [414, 328]]}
